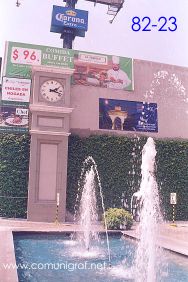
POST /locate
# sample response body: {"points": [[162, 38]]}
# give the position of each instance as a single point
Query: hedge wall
{"points": [[118, 160], [14, 171]]}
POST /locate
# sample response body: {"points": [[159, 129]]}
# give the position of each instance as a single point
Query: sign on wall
{"points": [[91, 69], [13, 119], [14, 105], [127, 115], [173, 199], [16, 89], [63, 17]]}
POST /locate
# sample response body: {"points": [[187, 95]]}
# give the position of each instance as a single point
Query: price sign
{"points": [[173, 199], [25, 56]]}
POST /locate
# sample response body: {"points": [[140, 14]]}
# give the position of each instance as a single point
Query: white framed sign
{"points": [[173, 199], [16, 89]]}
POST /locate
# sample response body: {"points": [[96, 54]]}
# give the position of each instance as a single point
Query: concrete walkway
{"points": [[172, 238], [7, 257]]}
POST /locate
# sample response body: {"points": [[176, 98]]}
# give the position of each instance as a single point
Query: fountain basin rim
{"points": [[117, 233]]}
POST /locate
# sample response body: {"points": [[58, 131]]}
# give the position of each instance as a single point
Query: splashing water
{"points": [[88, 209], [172, 82], [146, 261]]}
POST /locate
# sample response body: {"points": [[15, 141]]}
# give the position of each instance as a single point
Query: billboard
{"points": [[127, 115], [20, 57], [101, 70], [91, 69], [63, 17]]}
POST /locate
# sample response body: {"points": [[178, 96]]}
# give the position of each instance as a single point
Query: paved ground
{"points": [[172, 238]]}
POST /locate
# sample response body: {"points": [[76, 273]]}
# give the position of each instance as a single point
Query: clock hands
{"points": [[55, 90]]}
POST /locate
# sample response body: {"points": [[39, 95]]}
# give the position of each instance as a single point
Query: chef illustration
{"points": [[117, 78]]}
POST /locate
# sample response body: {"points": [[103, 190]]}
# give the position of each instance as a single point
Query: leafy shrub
{"points": [[118, 219]]}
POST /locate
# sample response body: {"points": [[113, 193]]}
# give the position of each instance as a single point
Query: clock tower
{"points": [[49, 128]]}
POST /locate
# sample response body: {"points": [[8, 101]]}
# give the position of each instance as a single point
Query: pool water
{"points": [[56, 258]]}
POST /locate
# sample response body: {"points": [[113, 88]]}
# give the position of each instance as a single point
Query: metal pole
{"points": [[68, 33], [18, 3], [173, 214], [57, 213], [68, 37], [71, 3], [57, 209]]}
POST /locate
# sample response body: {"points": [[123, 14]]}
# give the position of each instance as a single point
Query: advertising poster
{"points": [[16, 90], [103, 71], [127, 115], [13, 119], [91, 69]]}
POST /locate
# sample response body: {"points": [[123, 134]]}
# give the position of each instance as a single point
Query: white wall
{"points": [[169, 93]]}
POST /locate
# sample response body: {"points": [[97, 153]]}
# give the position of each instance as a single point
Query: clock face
{"points": [[52, 90]]}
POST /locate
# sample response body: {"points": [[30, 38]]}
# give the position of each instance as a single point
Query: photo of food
{"points": [[14, 119], [102, 71]]}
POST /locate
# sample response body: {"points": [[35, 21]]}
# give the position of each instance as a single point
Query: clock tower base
{"points": [[49, 129]]}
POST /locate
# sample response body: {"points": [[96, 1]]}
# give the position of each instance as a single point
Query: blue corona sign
{"points": [[63, 17]]}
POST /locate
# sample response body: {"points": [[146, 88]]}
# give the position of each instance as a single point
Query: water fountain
{"points": [[86, 204], [146, 261], [88, 209], [55, 248], [147, 199]]}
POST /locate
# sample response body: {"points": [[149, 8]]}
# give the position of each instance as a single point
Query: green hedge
{"points": [[14, 165], [172, 176], [118, 160]]}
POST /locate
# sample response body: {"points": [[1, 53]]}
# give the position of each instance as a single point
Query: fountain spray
{"points": [[146, 261], [87, 212]]}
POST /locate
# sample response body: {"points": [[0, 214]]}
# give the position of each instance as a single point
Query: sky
{"points": [[30, 23]]}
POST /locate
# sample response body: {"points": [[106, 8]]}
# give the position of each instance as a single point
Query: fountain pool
{"points": [[56, 257]]}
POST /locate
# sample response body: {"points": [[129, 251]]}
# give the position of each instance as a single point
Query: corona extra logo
{"points": [[71, 13], [69, 19]]}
